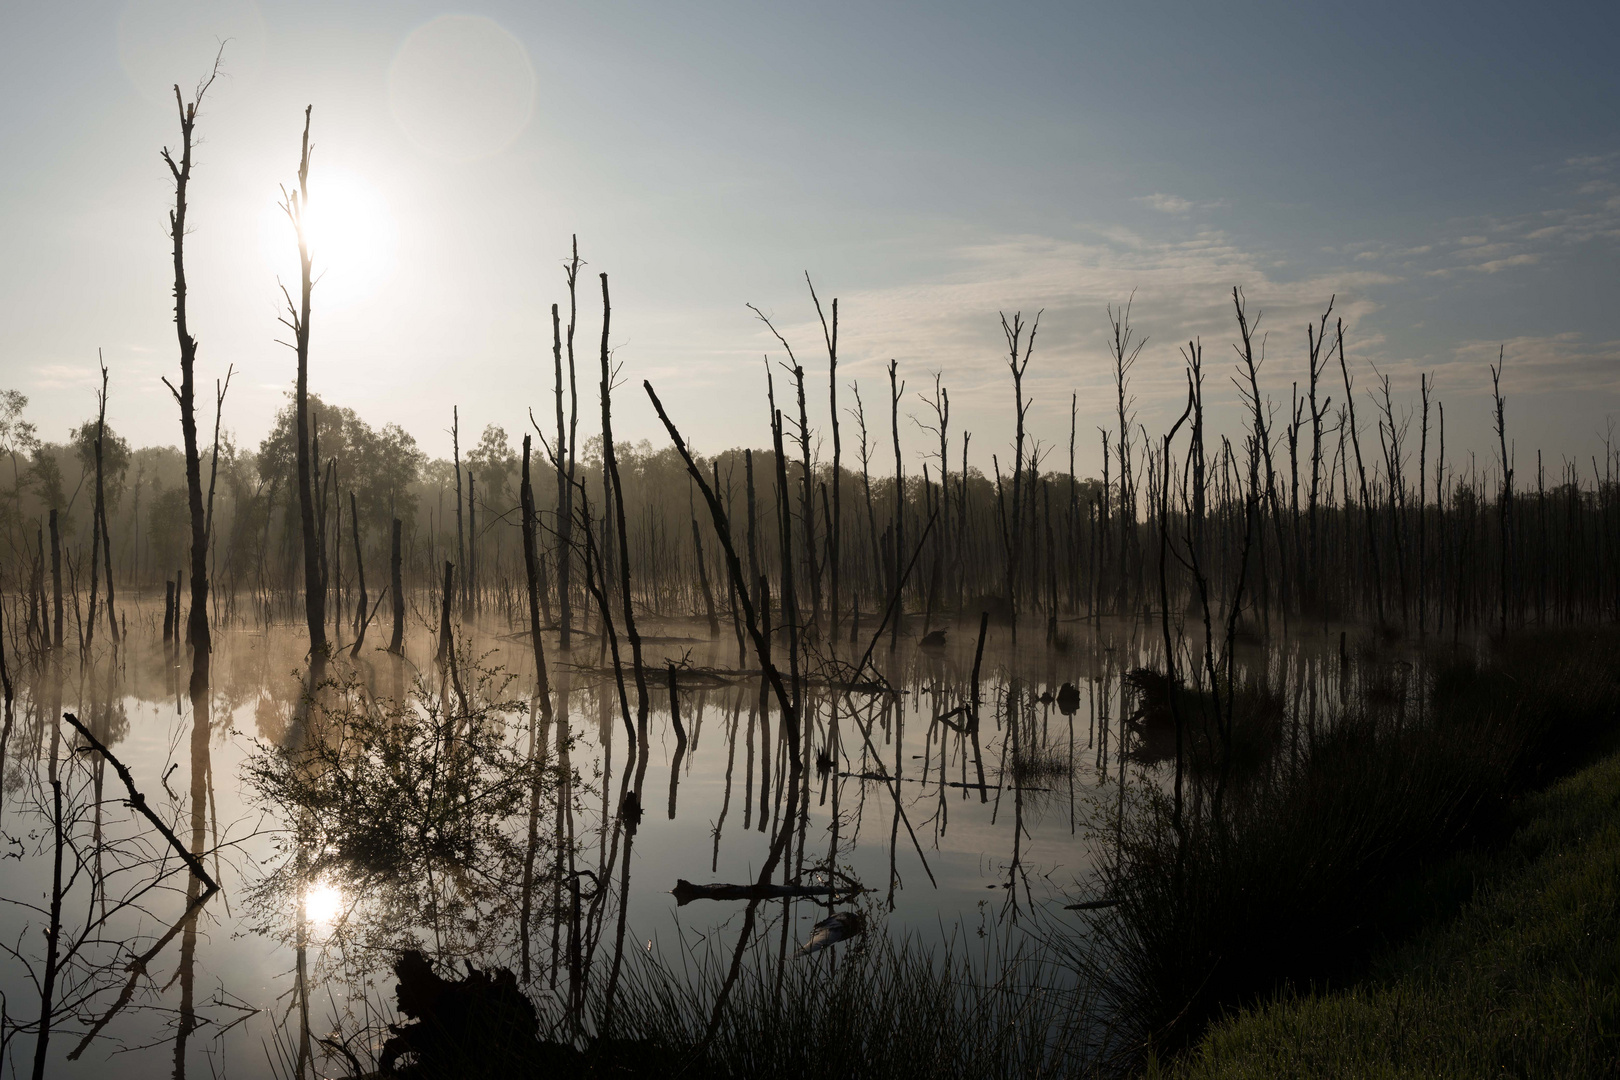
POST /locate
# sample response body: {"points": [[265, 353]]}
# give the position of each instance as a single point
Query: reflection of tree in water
{"points": [[414, 811]]}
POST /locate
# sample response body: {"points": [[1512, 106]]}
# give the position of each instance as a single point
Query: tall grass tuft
{"points": [[1286, 878], [882, 1008]]}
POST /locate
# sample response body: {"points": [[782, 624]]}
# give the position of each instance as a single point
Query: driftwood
{"points": [[137, 966], [1092, 905], [729, 676], [685, 892], [138, 801], [688, 676], [885, 779]]}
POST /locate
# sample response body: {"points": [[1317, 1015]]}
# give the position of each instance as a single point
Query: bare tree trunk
{"points": [[1017, 365], [611, 470], [565, 541], [53, 937], [835, 520], [101, 510], [1425, 387], [445, 644], [1505, 500], [396, 644], [469, 575], [565, 511], [56, 578], [361, 618], [298, 319], [1366, 506], [531, 572], [702, 567], [197, 627], [95, 513], [455, 451], [895, 390], [1124, 351]]}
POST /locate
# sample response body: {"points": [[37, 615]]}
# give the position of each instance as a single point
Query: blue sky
{"points": [[1451, 172]]}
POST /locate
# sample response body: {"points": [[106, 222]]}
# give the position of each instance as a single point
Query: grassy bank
{"points": [[1295, 871], [1525, 981]]}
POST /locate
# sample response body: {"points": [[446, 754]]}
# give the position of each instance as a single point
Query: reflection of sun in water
{"points": [[323, 903], [352, 239]]}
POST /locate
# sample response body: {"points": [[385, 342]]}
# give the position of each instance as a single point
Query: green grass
{"points": [[1311, 867], [1523, 981]]}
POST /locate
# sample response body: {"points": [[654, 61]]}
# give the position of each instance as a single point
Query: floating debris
{"points": [[685, 892], [833, 929]]}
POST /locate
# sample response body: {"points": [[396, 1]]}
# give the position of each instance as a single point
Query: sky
{"points": [[1448, 173]]}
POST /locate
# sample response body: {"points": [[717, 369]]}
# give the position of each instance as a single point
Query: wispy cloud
{"points": [[1496, 265], [1598, 163], [1167, 204], [1179, 290], [53, 376], [1535, 364], [1175, 204]]}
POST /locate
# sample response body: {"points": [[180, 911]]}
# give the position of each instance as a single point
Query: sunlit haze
{"points": [[1453, 184], [894, 540]]}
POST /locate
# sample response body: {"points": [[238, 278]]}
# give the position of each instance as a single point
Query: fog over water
{"points": [[996, 831]]}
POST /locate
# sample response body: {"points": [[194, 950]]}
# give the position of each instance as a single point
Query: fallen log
{"points": [[1092, 905], [685, 892]]}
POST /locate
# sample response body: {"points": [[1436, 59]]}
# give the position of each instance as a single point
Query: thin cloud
{"points": [[1498, 265], [1165, 204], [1536, 364], [1175, 204]]}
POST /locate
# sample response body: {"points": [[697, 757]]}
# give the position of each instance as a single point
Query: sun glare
{"points": [[351, 234], [322, 903]]}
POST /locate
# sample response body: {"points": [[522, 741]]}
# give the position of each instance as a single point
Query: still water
{"points": [[954, 831]]}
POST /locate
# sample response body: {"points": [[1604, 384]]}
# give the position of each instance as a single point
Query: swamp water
{"points": [[957, 835]]}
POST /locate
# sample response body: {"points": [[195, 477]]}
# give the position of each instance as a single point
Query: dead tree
{"points": [[361, 618], [610, 477], [702, 565], [197, 625], [295, 204], [469, 575], [835, 519], [220, 390], [96, 517], [566, 448], [396, 644], [531, 574], [1361, 471], [455, 452], [1505, 501], [807, 510], [1124, 351], [896, 391], [1017, 364], [1318, 363]]}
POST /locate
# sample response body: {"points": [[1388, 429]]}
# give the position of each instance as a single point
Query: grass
{"points": [[1525, 981], [884, 1008], [1414, 862], [1306, 871]]}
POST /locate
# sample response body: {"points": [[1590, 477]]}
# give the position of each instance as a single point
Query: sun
{"points": [[352, 239], [323, 903]]}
